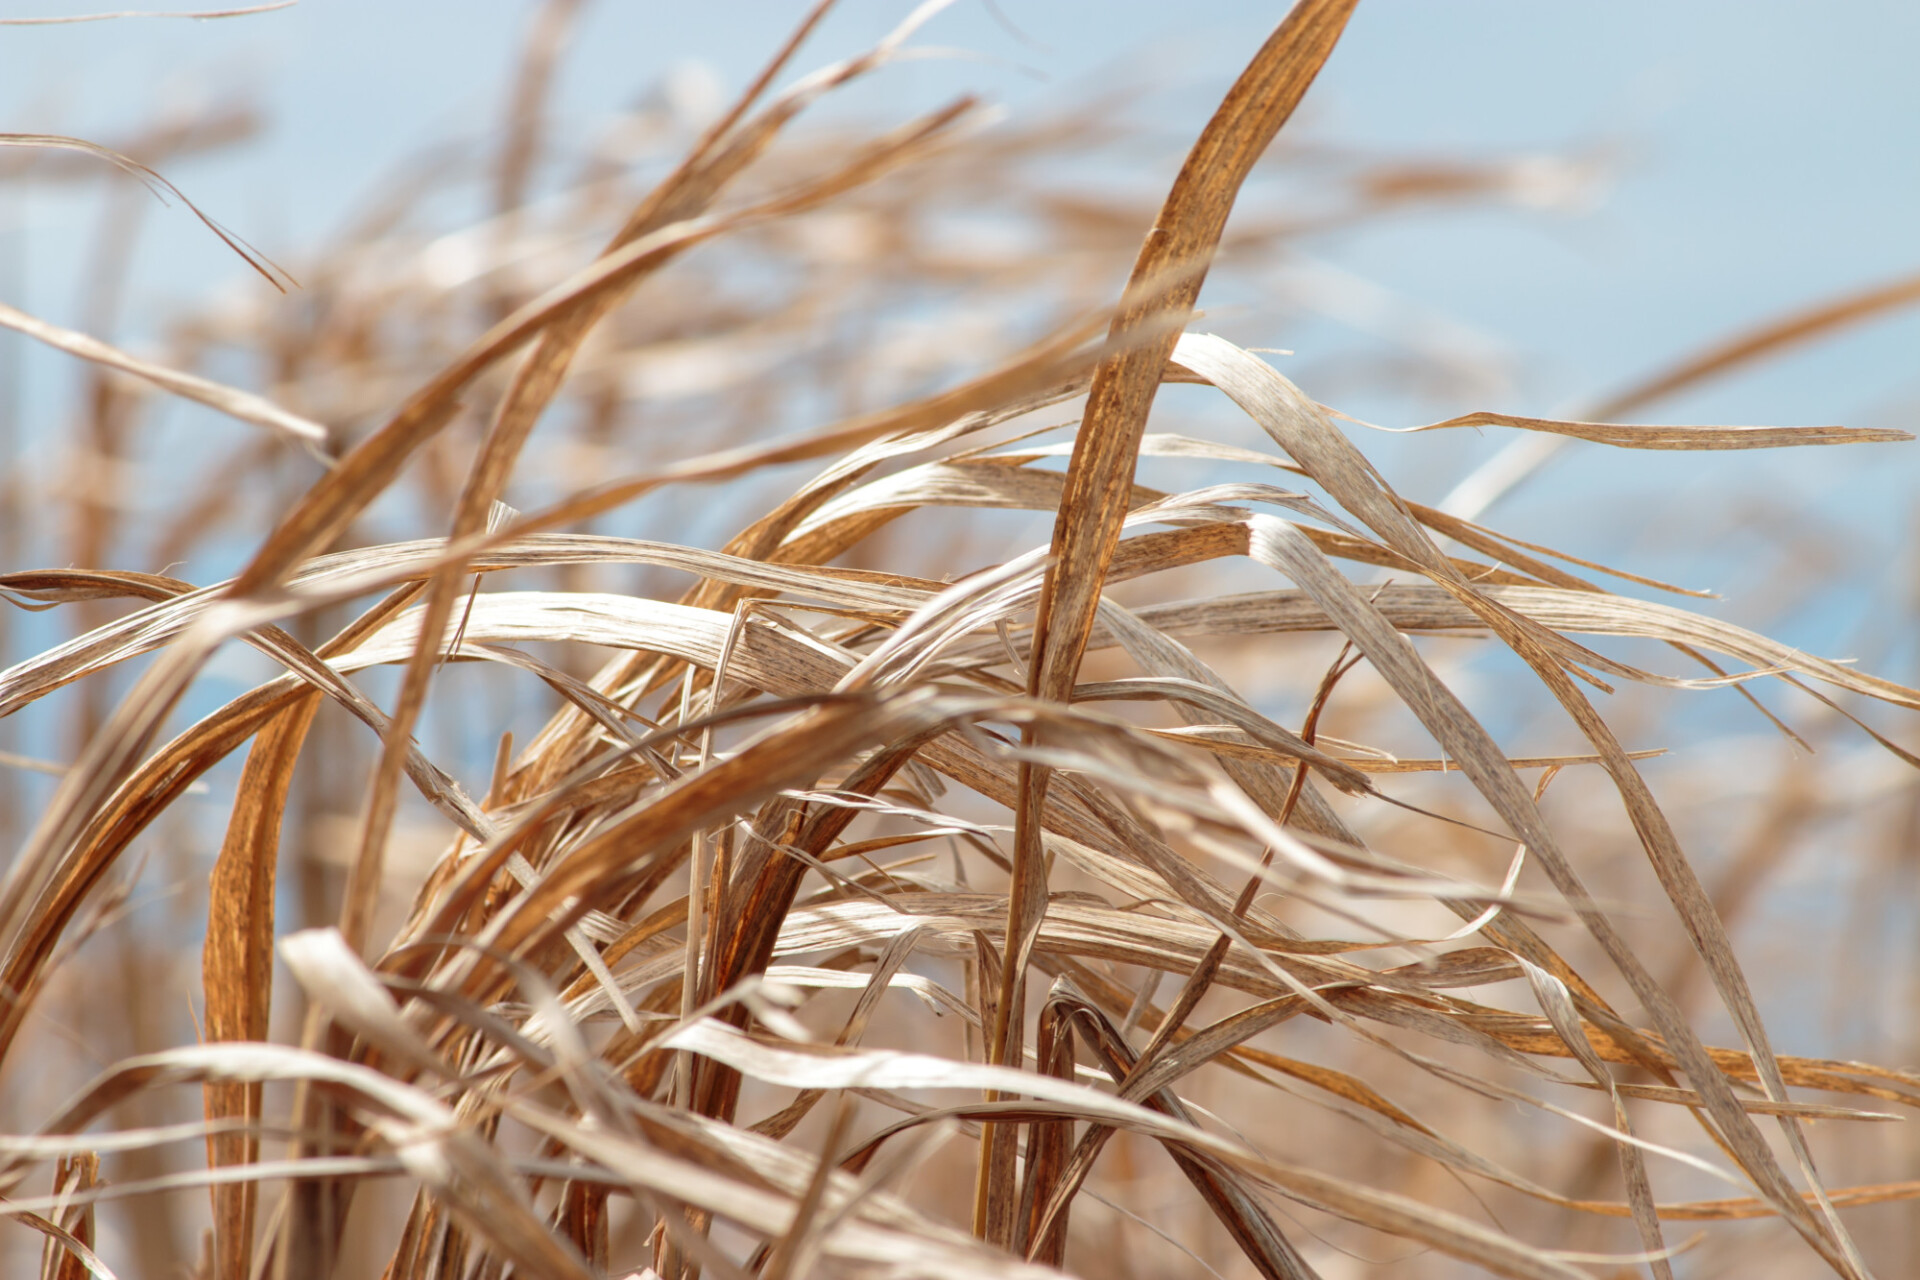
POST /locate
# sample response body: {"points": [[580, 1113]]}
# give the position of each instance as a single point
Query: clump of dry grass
{"points": [[897, 897]]}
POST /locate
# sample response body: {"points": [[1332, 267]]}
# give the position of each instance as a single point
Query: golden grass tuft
{"points": [[886, 891]]}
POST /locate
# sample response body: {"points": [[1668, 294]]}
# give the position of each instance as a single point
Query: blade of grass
{"points": [[1166, 280]]}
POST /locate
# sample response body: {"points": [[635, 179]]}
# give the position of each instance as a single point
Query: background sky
{"points": [[1761, 157]]}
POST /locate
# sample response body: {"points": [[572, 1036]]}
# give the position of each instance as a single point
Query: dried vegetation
{"points": [[891, 890]]}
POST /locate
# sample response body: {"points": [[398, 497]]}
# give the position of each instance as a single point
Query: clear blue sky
{"points": [[1773, 141]]}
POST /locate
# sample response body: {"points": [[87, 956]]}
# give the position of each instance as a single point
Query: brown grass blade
{"points": [[1623, 435], [1166, 280], [197, 14], [1527, 456], [237, 965], [232, 401], [70, 1240], [161, 189]]}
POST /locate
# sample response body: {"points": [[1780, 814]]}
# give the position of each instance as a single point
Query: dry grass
{"points": [[888, 891]]}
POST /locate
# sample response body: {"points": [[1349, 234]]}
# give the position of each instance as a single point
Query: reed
{"points": [[754, 756]]}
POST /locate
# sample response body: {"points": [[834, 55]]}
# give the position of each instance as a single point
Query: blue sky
{"points": [[1768, 144]]}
